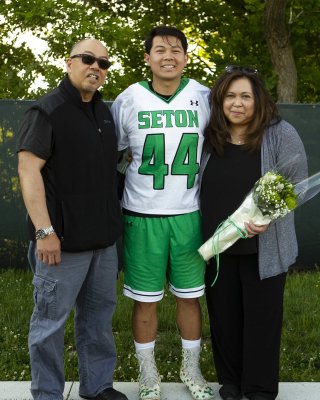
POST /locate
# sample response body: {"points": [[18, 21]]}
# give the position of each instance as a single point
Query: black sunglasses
{"points": [[89, 60], [246, 70]]}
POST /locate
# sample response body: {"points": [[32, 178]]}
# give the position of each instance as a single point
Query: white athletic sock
{"points": [[144, 346], [190, 344]]}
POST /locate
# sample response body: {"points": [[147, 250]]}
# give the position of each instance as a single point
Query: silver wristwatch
{"points": [[44, 232]]}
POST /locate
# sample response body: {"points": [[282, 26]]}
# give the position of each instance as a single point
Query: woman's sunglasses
{"points": [[88, 59], [246, 70]]}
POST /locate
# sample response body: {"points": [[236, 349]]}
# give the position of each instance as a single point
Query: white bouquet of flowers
{"points": [[271, 198]]}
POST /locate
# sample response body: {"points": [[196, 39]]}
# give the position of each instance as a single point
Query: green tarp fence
{"points": [[13, 235]]}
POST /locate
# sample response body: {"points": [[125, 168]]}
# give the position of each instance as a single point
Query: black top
{"points": [[78, 142], [226, 182], [164, 96]]}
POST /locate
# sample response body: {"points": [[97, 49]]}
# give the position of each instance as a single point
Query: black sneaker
{"points": [[107, 394], [230, 392], [260, 396]]}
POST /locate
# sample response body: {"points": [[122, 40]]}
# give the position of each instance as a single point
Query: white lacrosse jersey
{"points": [[165, 137]]}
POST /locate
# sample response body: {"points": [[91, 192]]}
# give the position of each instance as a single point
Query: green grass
{"points": [[300, 349]]}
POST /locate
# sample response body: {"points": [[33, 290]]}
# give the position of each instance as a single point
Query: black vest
{"points": [[80, 176]]}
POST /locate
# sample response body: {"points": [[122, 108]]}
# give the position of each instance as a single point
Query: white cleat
{"points": [[149, 378], [191, 375]]}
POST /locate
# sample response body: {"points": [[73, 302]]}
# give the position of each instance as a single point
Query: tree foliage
{"points": [[219, 32]]}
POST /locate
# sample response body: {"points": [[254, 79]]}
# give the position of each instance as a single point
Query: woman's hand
{"points": [[253, 229]]}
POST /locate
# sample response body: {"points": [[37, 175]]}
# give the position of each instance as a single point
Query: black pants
{"points": [[245, 320]]}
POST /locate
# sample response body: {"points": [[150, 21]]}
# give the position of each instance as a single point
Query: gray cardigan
{"points": [[281, 148]]}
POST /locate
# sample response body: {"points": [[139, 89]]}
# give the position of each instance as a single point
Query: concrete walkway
{"points": [[169, 391]]}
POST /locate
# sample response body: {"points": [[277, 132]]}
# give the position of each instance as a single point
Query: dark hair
{"points": [[165, 31], [217, 132]]}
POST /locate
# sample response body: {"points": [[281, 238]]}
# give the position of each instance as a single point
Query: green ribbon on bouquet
{"points": [[243, 234]]}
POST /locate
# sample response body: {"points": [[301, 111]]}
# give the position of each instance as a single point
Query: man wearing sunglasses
{"points": [[67, 168]]}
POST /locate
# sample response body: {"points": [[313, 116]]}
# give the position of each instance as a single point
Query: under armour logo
{"points": [[194, 102]]}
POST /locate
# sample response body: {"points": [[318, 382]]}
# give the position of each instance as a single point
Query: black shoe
{"points": [[260, 396], [230, 392], [107, 394]]}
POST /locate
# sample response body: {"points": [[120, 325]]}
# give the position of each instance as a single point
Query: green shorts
{"points": [[160, 248]]}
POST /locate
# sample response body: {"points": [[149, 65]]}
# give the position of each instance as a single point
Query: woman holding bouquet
{"points": [[246, 138]]}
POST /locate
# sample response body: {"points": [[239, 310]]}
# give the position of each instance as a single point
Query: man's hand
{"points": [[34, 196], [49, 250], [253, 229]]}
